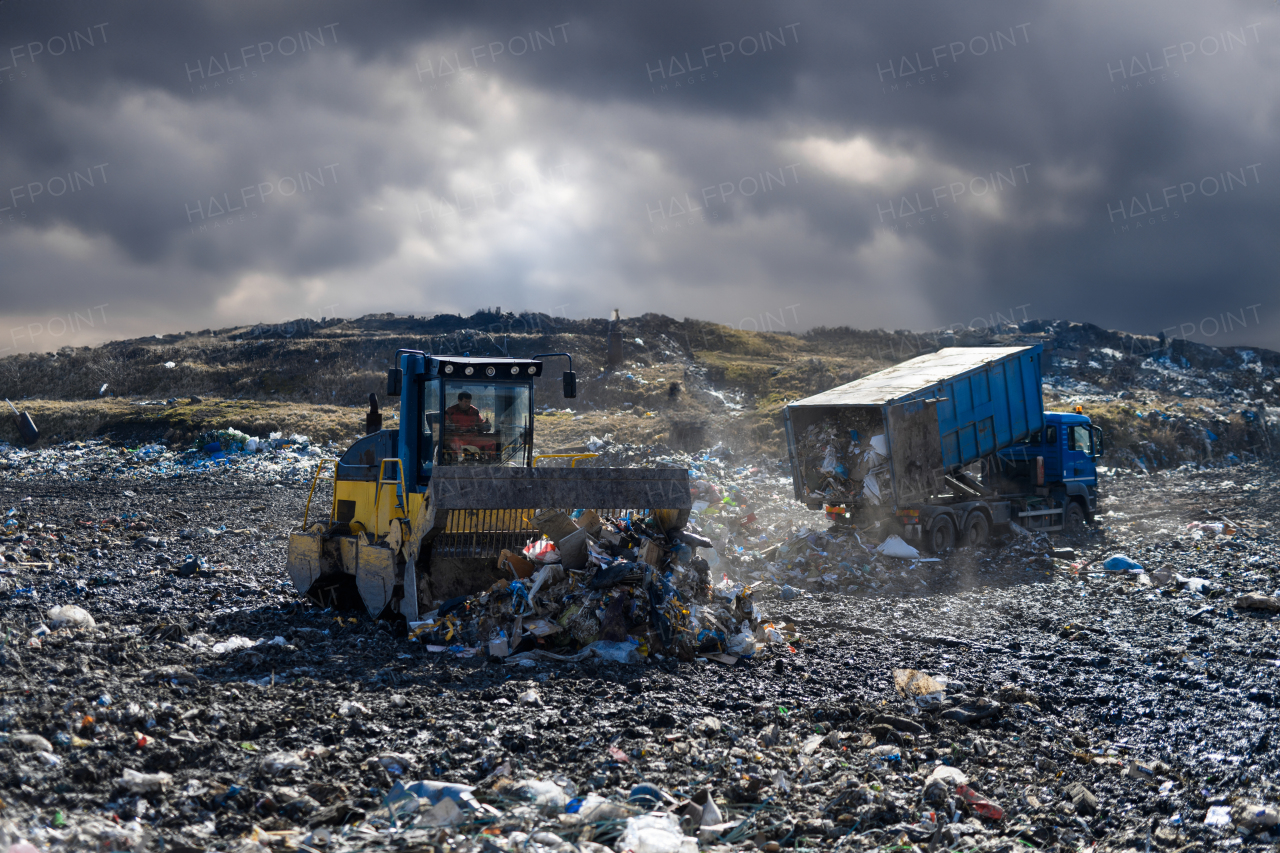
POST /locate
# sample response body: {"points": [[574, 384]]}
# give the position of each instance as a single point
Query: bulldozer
{"points": [[422, 513]]}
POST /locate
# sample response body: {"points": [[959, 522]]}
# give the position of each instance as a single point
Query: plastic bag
{"points": [[70, 616], [979, 803], [623, 652], [829, 462], [542, 551], [871, 488], [895, 547], [743, 643], [1121, 563], [656, 833], [546, 576]]}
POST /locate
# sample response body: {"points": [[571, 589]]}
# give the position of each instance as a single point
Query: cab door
{"points": [[1078, 455]]}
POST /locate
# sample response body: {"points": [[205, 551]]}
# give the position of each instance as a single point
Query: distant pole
{"points": [[614, 357]]}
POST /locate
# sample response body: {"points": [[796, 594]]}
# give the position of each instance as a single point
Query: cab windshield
{"points": [[484, 423]]}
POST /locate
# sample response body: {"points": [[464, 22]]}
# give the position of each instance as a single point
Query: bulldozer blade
{"points": [[306, 562], [375, 576], [454, 576], [467, 487], [473, 513]]}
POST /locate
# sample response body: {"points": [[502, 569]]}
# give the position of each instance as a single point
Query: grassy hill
{"points": [[683, 383]]}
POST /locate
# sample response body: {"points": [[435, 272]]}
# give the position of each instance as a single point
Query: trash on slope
{"points": [[620, 588]]}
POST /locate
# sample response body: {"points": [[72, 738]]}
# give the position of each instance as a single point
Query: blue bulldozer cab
{"points": [[435, 430]]}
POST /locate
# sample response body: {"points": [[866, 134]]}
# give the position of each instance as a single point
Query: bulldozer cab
{"points": [[467, 411], [477, 423]]}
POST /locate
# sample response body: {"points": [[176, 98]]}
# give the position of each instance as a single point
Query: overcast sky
{"points": [[903, 165]]}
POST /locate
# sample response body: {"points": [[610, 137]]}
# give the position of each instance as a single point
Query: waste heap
{"points": [[846, 459], [291, 458], [618, 588]]}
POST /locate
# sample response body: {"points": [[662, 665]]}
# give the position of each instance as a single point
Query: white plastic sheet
{"points": [[895, 547]]}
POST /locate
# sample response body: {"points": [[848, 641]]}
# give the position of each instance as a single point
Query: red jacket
{"points": [[463, 419]]}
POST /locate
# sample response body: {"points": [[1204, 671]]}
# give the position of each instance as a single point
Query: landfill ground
{"points": [[210, 708]]}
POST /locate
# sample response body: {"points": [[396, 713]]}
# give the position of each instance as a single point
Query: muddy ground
{"points": [[1090, 707]]}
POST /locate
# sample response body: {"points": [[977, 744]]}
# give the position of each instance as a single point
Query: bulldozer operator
{"points": [[462, 417], [468, 433]]}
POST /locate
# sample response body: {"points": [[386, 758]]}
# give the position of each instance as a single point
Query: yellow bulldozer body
{"points": [[421, 513]]}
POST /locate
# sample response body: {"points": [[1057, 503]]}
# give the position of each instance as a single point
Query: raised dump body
{"points": [[945, 448], [937, 413]]}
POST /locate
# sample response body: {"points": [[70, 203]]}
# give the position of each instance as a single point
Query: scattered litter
{"points": [[895, 547], [144, 782], [70, 616]]}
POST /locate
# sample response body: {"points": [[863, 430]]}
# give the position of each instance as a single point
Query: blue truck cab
{"points": [[1062, 458]]}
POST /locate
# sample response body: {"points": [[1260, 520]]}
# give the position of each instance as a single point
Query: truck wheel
{"points": [[1073, 519], [942, 534], [976, 530]]}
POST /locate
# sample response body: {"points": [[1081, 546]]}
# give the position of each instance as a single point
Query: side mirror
{"points": [[1098, 446], [570, 384], [395, 378]]}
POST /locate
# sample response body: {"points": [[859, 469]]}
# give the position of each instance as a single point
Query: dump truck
{"points": [[946, 448], [421, 513]]}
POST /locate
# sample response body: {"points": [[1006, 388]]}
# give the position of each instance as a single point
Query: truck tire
{"points": [[1073, 520], [976, 530], [942, 534]]}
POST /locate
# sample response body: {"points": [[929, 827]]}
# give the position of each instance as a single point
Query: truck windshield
{"points": [[485, 423]]}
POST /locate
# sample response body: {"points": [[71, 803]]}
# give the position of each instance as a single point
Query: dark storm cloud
{"points": [[909, 164]]}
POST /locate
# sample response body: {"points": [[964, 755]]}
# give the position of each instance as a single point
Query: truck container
{"points": [[950, 443]]}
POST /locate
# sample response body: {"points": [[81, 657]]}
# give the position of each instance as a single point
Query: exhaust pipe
{"points": [[26, 426]]}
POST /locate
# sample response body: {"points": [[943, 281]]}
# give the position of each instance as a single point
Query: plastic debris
{"points": [[70, 616], [655, 833], [895, 547], [144, 782], [979, 803], [1121, 563]]}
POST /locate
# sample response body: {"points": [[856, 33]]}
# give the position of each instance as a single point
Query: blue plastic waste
{"points": [[647, 795], [433, 792], [1121, 563], [619, 652]]}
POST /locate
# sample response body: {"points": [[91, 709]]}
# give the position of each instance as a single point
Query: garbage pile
{"points": [[845, 459], [213, 709], [288, 458], [615, 588], [529, 812]]}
